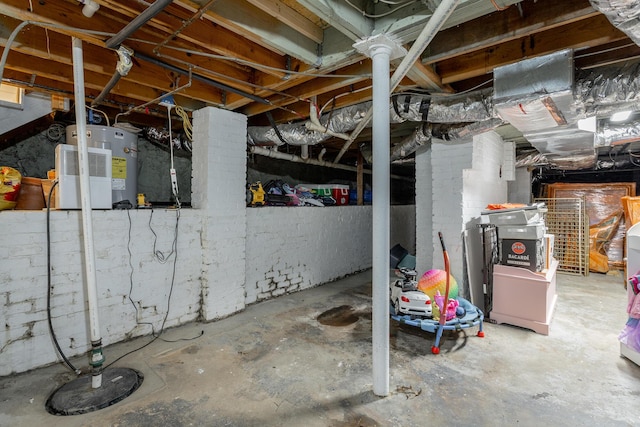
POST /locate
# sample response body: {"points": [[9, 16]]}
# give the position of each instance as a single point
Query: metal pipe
{"points": [[261, 151], [304, 151], [203, 79], [297, 159], [431, 28], [137, 22], [97, 357], [105, 91], [123, 66]]}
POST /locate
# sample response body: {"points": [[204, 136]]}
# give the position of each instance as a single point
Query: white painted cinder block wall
{"points": [[292, 248], [225, 252], [26, 343], [463, 179]]}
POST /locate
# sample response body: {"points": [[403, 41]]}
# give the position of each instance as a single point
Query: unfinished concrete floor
{"points": [[274, 364]]}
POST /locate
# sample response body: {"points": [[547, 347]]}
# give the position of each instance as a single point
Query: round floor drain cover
{"points": [[77, 396]]}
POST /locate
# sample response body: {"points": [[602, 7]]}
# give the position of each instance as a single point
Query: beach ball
{"points": [[436, 280]]}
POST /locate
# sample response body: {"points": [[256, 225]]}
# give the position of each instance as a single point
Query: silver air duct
{"points": [[616, 134], [538, 97], [605, 90], [623, 14], [313, 132], [409, 145]]}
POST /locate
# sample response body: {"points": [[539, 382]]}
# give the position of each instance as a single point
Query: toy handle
{"points": [[441, 241], [447, 269]]}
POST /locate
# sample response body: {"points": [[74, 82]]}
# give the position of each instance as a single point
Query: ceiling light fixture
{"points": [[620, 116]]}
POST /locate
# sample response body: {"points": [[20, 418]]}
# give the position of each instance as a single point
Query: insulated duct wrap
{"points": [[467, 108], [409, 145], [623, 14], [290, 133], [472, 107], [339, 121], [568, 147], [462, 132], [611, 133], [537, 94], [606, 90]]}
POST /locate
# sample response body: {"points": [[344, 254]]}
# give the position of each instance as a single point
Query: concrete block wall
{"points": [[484, 182], [294, 248], [519, 190], [424, 210], [463, 179], [26, 343], [219, 175], [448, 162]]}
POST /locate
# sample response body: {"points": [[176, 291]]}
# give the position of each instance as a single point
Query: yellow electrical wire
{"points": [[186, 122]]}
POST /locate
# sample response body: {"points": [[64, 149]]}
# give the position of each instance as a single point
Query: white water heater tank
{"points": [[124, 158]]}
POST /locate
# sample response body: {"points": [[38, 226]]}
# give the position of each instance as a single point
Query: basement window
{"points": [[11, 96]]}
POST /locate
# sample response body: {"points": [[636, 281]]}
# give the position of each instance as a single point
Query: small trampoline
{"points": [[473, 317]]}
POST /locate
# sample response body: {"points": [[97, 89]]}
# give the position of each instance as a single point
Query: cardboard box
{"points": [[533, 231], [529, 254], [549, 242], [512, 217]]}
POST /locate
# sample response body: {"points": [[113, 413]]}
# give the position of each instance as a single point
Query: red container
{"points": [[341, 194]]}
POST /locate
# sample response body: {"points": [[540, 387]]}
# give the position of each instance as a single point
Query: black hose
{"points": [[53, 334]]}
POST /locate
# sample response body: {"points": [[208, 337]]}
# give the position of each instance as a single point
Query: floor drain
{"points": [[338, 316]]}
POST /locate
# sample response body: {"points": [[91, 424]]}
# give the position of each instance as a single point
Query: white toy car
{"points": [[405, 297]]}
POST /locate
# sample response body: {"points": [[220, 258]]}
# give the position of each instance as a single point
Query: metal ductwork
{"points": [[409, 145], [337, 122], [541, 97], [617, 134], [536, 96], [605, 90], [623, 14], [461, 116], [470, 107]]}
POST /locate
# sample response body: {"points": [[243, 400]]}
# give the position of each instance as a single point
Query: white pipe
{"points": [[273, 153], [431, 28], [380, 54], [87, 225]]}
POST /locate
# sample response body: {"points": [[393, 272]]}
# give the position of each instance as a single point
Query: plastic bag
{"points": [[10, 180]]}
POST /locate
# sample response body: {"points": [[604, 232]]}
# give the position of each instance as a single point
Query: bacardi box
{"points": [[529, 254]]}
